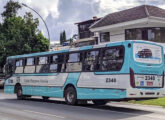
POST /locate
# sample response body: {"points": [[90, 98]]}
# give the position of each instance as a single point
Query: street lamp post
{"points": [[41, 19]]}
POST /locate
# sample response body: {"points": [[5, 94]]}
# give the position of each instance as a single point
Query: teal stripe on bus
{"points": [[86, 47], [39, 54], [37, 74]]}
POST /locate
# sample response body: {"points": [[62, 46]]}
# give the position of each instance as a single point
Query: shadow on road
{"points": [[53, 104]]}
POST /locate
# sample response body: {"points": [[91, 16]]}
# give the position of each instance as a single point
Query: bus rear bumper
{"points": [[145, 92]]}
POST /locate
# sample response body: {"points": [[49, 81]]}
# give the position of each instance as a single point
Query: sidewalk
{"points": [[151, 108]]}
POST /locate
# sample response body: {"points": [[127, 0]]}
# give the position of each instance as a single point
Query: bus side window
{"points": [[92, 60], [74, 62], [113, 58], [42, 65], [19, 66], [57, 63], [29, 65]]}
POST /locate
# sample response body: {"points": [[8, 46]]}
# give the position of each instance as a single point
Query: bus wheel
{"points": [[45, 98], [70, 96], [19, 93], [99, 102]]}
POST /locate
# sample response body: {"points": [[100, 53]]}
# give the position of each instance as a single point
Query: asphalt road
{"points": [[37, 109]]}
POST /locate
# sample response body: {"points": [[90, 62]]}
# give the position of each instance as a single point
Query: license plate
{"points": [[149, 77], [149, 83], [148, 80]]}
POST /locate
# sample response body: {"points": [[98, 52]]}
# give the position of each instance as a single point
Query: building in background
{"points": [[144, 22], [85, 36], [57, 46], [139, 23]]}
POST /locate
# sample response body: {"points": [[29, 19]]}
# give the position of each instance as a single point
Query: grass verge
{"points": [[156, 102]]}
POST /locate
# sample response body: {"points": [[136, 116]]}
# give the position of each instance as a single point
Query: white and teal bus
{"points": [[108, 72]]}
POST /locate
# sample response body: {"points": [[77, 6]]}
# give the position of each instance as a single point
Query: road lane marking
{"points": [[51, 115]]}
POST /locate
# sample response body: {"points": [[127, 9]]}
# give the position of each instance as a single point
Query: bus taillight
{"points": [[132, 78]]}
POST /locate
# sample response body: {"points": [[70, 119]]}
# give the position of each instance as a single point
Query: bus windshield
{"points": [[147, 53]]}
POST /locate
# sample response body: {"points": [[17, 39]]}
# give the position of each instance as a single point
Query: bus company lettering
{"points": [[35, 81]]}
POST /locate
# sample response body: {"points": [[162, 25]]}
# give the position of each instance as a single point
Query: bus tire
{"points": [[45, 98], [70, 96], [19, 93], [99, 102]]}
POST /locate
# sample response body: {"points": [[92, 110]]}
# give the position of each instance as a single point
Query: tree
{"points": [[62, 37], [71, 40], [19, 35], [11, 9]]}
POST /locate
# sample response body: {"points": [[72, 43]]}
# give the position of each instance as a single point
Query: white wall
{"points": [[163, 44], [117, 35]]}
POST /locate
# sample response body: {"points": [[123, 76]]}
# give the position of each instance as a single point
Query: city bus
{"points": [[119, 71]]}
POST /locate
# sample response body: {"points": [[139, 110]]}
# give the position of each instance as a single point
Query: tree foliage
{"points": [[19, 35], [11, 9], [62, 37]]}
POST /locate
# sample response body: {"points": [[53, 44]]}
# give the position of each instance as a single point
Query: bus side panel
{"points": [[51, 91], [89, 93], [72, 79], [9, 89], [52, 87], [43, 91], [38, 84], [94, 86]]}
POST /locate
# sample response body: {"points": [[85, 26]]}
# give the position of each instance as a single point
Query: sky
{"points": [[61, 15]]}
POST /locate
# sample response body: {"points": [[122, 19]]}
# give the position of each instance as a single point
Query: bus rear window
{"points": [[147, 53]]}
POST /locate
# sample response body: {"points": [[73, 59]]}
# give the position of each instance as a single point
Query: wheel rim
{"points": [[70, 96]]}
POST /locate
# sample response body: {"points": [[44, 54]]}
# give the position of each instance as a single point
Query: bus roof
{"points": [[79, 48]]}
